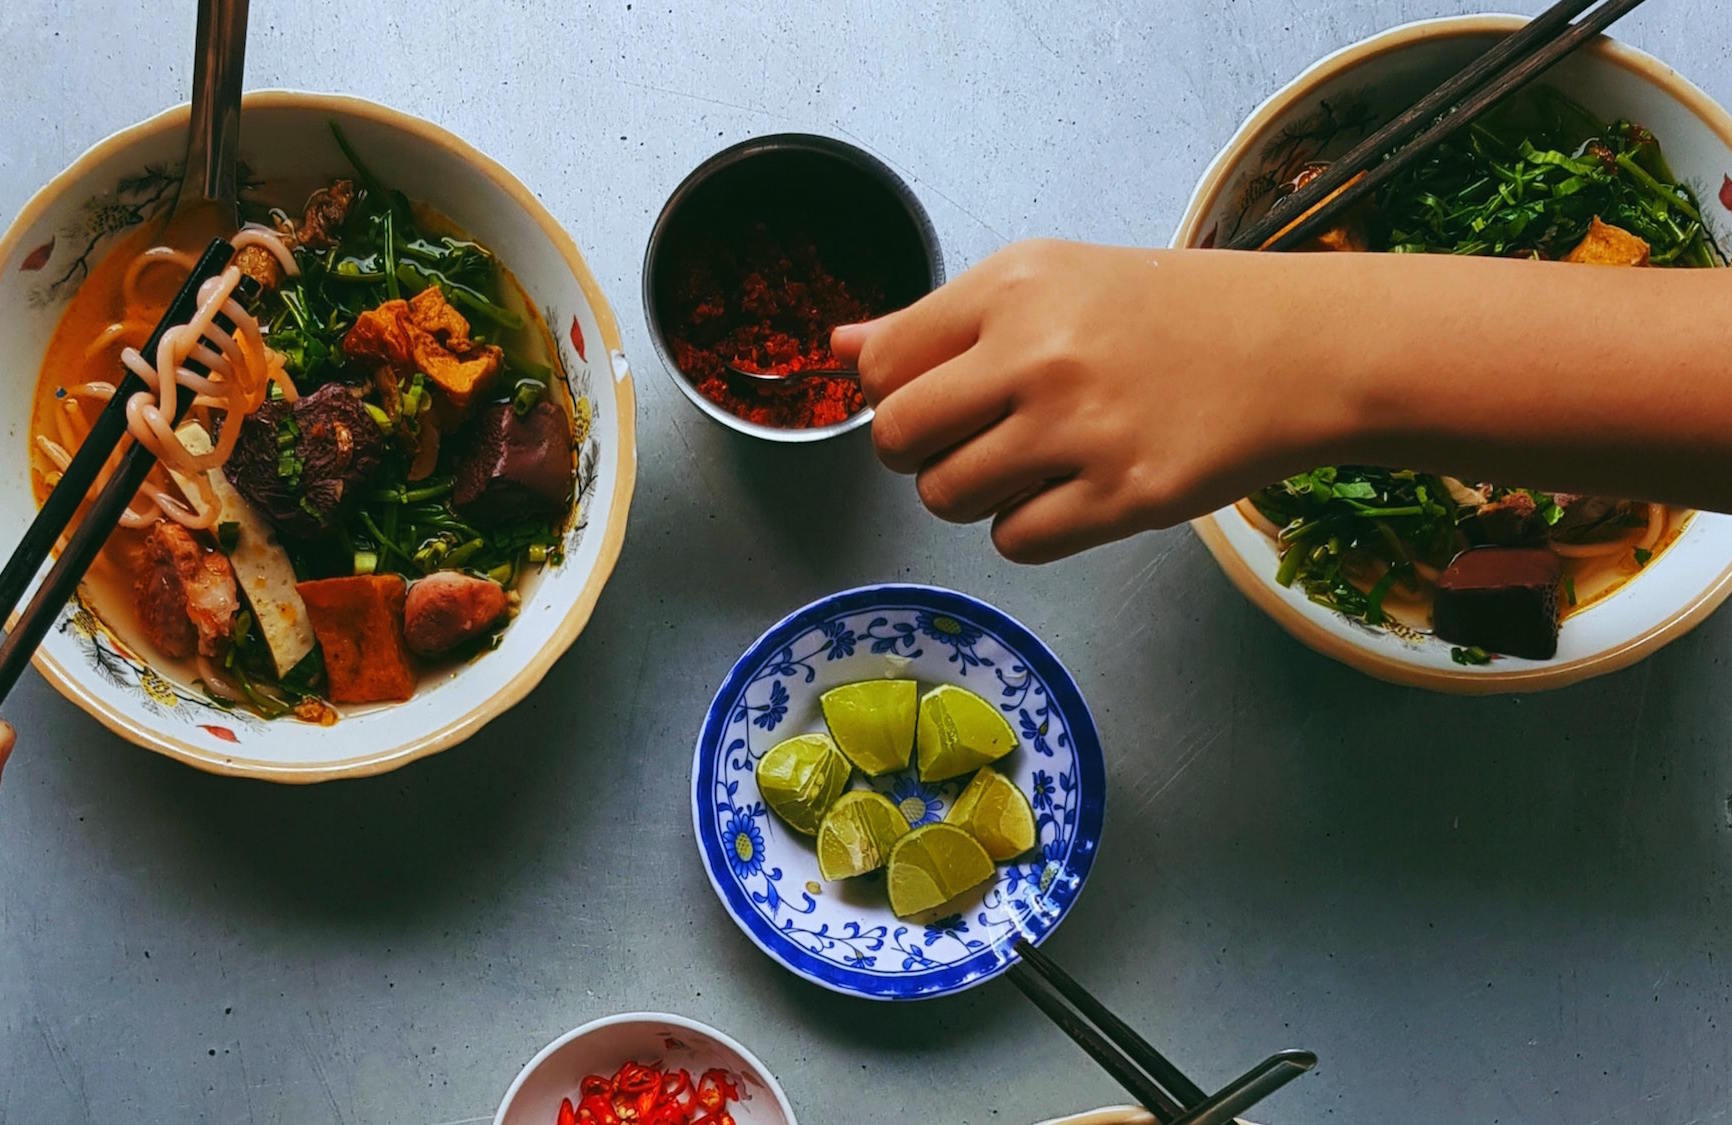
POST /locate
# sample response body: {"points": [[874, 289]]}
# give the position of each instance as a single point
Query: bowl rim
{"points": [[617, 374], [872, 166], [1065, 694], [1255, 586], [657, 1019]]}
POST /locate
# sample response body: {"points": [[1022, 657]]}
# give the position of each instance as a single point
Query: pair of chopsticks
{"points": [[1158, 1085], [105, 511], [1515, 61]]}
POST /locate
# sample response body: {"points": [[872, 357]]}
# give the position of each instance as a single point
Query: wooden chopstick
{"points": [[1143, 1053], [1046, 996], [1514, 62], [105, 510]]}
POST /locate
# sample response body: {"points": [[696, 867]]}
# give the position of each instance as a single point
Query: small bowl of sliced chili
{"points": [[758, 254], [644, 1068]]}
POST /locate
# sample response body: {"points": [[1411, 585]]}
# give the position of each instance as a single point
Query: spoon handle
{"points": [[213, 138]]}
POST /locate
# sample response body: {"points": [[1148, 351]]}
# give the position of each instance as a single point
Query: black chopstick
{"points": [[1143, 1053], [1114, 1061], [1249, 1088], [1372, 173], [1512, 48], [105, 511]]}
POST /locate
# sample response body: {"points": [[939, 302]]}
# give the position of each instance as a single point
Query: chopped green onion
{"points": [[526, 395]]}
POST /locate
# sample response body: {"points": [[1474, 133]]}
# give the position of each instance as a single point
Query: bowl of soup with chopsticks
{"points": [[1610, 160], [404, 473]]}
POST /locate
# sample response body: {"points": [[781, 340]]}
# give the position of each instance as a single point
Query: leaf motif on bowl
{"points": [[116, 664], [37, 258]]}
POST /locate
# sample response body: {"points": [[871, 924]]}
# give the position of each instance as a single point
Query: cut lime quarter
{"points": [[801, 778], [858, 834], [960, 732], [873, 723], [994, 811], [933, 865]]}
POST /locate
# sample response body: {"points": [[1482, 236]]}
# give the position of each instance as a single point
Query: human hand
{"points": [[7, 737], [1076, 394]]}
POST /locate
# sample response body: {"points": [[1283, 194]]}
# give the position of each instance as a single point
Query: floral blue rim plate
{"points": [[843, 935]]}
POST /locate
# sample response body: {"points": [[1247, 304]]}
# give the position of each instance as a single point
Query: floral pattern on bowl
{"points": [[844, 936], [1316, 116], [126, 180]]}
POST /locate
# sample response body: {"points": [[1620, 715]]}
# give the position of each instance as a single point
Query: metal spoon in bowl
{"points": [[213, 133], [762, 378]]}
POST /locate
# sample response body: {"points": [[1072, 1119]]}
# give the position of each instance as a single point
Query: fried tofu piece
{"points": [[359, 623], [1607, 245], [382, 335], [426, 334]]}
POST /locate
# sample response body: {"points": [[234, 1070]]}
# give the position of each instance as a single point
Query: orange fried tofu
{"points": [[382, 335], [359, 623], [1607, 245], [426, 334]]}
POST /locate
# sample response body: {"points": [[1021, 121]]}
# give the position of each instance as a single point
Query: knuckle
{"points": [[1148, 497], [1015, 545], [940, 495], [874, 370], [893, 440]]}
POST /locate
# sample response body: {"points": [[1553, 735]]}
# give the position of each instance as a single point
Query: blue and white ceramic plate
{"points": [[843, 935]]}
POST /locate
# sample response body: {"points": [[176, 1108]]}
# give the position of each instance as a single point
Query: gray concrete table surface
{"points": [[1473, 910]]}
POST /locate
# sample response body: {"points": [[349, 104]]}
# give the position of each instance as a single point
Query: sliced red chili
{"points": [[650, 1095]]}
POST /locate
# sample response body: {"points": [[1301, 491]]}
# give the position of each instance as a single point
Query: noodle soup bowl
{"points": [[287, 149], [1316, 117]]}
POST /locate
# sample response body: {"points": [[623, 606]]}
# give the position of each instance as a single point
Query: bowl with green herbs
{"points": [[1468, 585], [396, 502]]}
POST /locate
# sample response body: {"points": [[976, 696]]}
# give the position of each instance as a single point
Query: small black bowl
{"points": [[864, 220]]}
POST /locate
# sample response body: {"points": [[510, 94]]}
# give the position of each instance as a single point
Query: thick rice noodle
{"points": [[241, 370]]}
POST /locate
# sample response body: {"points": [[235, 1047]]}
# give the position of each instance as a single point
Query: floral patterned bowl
{"points": [[844, 936], [1317, 115], [287, 148]]}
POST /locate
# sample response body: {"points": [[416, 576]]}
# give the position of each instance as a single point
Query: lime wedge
{"points": [[932, 865], [873, 722], [801, 778], [959, 732], [994, 811], [858, 834]]}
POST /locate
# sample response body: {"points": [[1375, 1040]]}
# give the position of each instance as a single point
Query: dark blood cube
{"points": [[1501, 599], [515, 467]]}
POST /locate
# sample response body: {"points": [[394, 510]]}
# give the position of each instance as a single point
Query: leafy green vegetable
{"points": [[1471, 655], [1530, 177], [228, 535], [1349, 533]]}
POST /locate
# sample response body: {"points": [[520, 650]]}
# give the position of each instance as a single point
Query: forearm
{"points": [[1566, 377]]}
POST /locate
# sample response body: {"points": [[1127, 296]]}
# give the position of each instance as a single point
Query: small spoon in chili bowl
{"points": [[764, 378]]}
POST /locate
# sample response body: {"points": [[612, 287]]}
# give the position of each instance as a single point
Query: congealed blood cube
{"points": [[1501, 599], [516, 466]]}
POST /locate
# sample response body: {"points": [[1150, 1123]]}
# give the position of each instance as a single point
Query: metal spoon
{"points": [[764, 377], [213, 133]]}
